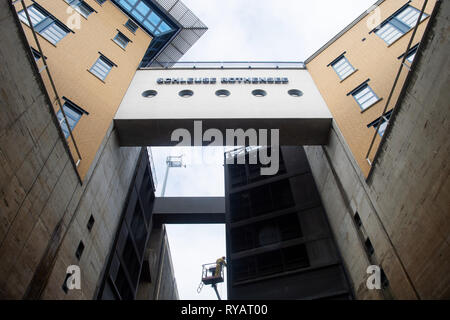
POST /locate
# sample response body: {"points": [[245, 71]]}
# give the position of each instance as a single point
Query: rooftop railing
{"points": [[55, 98], [229, 65], [369, 155]]}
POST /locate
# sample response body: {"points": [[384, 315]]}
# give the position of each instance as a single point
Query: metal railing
{"points": [[57, 98], [239, 151], [397, 78], [209, 271], [229, 65]]}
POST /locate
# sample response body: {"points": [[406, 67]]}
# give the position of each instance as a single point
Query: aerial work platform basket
{"points": [[209, 274], [210, 278]]}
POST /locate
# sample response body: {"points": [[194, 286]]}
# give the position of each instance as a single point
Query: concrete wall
{"points": [[411, 176], [404, 204], [345, 193], [163, 285], [71, 58], [103, 196], [373, 59], [167, 284], [43, 208]]}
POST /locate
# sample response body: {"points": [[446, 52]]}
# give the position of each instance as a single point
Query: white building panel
{"points": [[303, 120]]}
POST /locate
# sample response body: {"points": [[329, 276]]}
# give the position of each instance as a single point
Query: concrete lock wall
{"points": [[403, 207], [163, 285], [151, 121], [44, 210]]}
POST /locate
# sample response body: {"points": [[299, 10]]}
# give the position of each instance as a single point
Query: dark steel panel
{"points": [[123, 270], [279, 244], [187, 210]]}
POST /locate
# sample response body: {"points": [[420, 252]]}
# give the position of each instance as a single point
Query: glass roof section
{"points": [[146, 16]]}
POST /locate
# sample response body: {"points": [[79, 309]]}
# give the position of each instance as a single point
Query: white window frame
{"points": [[410, 57], [81, 7], [70, 112], [102, 67], [44, 24], [364, 94], [343, 67], [400, 23], [119, 36], [384, 123]]}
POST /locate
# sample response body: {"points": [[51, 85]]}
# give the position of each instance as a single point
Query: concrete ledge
{"points": [[185, 210], [157, 132]]}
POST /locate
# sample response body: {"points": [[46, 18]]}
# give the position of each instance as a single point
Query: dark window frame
{"points": [[360, 88], [120, 36], [131, 25], [346, 61], [77, 4], [397, 24], [106, 61], [45, 23], [384, 119]]}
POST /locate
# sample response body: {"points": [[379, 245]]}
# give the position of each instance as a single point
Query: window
{"points": [[259, 93], [45, 24], [102, 67], [384, 122], [384, 280], [36, 54], [149, 93], [357, 219], [100, 2], [342, 67], [64, 286], [80, 250], [186, 93], [82, 7], [145, 15], [73, 115], [399, 24], [411, 55], [121, 40], [223, 93], [369, 248], [90, 223], [365, 96], [295, 93], [131, 26]]}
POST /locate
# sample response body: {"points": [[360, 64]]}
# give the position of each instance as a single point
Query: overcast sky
{"points": [[269, 30], [240, 30]]}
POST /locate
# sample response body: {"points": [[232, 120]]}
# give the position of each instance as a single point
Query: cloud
{"points": [[191, 247], [269, 30], [203, 175]]}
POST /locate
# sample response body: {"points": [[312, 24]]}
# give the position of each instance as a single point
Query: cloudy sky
{"points": [[261, 30], [239, 30]]}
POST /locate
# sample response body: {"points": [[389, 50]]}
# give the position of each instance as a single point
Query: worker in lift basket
{"points": [[219, 265]]}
